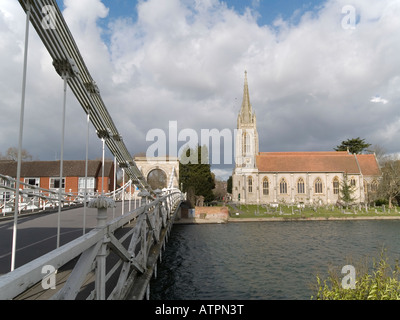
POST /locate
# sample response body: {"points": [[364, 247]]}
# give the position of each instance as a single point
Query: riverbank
{"points": [[351, 218], [253, 213], [277, 219]]}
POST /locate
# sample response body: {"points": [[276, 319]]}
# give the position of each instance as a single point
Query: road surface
{"points": [[37, 233]]}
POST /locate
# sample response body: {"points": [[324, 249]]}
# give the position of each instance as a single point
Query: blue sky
{"points": [[268, 10]]}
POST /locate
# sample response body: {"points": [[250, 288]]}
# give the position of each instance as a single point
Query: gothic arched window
{"points": [[250, 184], [336, 185], [246, 143], [374, 186], [300, 186], [283, 186], [318, 186], [265, 187]]}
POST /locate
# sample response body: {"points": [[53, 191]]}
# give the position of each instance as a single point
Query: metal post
{"points": [[101, 272], [101, 257], [21, 126], [123, 191], [64, 77], [102, 169], [115, 182], [86, 174], [148, 292], [101, 203], [134, 197], [130, 195]]}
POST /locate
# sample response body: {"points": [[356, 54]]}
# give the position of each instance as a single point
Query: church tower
{"points": [[245, 173], [247, 135]]}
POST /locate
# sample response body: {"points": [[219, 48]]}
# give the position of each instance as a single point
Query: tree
{"points": [[229, 185], [220, 189], [12, 154], [346, 191], [356, 145], [389, 186], [157, 179], [197, 172], [379, 151]]}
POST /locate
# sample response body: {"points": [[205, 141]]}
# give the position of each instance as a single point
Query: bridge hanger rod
{"points": [[77, 87], [61, 46]]}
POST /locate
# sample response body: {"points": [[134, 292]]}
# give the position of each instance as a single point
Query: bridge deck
{"points": [[136, 286]]}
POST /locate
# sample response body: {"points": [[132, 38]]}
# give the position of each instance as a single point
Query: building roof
{"points": [[71, 168], [246, 114], [161, 159], [329, 161], [368, 164]]}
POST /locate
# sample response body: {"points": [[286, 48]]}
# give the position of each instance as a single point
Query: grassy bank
{"points": [[292, 212]]}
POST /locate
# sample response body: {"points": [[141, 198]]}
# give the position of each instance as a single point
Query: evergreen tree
{"points": [[229, 185], [195, 171], [356, 145], [346, 191]]}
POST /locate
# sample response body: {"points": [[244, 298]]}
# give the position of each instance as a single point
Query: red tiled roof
{"points": [[330, 161], [71, 168], [368, 164]]}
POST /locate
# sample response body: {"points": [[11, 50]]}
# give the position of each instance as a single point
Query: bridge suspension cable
{"points": [[67, 60]]}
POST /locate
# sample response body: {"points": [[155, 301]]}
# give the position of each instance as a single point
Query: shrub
{"points": [[381, 202], [381, 284]]}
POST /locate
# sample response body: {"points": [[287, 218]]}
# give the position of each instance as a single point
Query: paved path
{"points": [[236, 209]]}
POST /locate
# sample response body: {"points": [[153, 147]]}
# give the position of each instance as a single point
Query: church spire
{"points": [[246, 112], [247, 136]]}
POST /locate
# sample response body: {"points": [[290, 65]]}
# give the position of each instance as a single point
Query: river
{"points": [[265, 260]]}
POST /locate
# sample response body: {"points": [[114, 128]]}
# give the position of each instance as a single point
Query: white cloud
{"points": [[184, 61], [222, 174], [378, 99]]}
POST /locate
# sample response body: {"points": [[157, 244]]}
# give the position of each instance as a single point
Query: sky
{"points": [[319, 72]]}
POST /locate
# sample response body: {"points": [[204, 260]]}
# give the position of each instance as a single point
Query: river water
{"points": [[265, 260]]}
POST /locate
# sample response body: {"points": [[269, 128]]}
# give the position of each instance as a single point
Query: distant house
{"points": [[46, 175]]}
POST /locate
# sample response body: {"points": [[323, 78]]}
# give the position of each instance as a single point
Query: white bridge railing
{"points": [[105, 261], [35, 198]]}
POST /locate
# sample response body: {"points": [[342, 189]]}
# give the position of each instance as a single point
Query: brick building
{"points": [[46, 174]]}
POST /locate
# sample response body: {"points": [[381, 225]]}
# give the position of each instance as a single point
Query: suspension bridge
{"points": [[117, 258]]}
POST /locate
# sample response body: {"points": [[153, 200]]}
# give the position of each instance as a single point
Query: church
{"points": [[312, 178]]}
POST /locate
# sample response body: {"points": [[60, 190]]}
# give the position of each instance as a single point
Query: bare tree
{"points": [[220, 189], [380, 153], [389, 187], [157, 179], [12, 154]]}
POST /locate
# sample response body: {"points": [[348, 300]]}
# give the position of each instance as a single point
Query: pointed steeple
{"points": [[246, 112], [247, 136]]}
